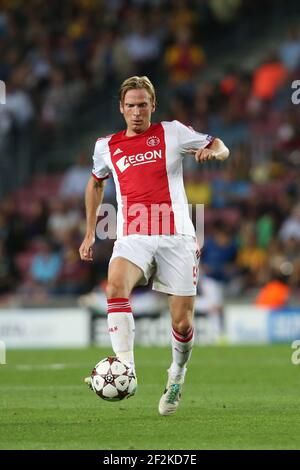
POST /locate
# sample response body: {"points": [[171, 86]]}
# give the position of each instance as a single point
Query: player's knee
{"points": [[116, 288], [182, 326]]}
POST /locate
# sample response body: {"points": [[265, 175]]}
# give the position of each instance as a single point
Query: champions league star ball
{"points": [[113, 380]]}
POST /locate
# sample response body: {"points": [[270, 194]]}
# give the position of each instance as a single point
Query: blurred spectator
{"points": [[228, 83], [275, 294], [291, 226], [37, 219], [111, 62], [183, 59], [143, 47], [288, 130], [43, 271], [182, 16], [18, 102], [64, 219], [74, 277], [76, 178], [237, 89], [46, 264], [61, 99], [225, 11], [219, 254], [220, 191], [251, 259], [268, 77], [289, 50], [265, 228]]}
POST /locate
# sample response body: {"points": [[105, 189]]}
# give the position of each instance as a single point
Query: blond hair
{"points": [[134, 83]]}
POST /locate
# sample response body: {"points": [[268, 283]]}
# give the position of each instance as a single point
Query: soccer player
{"points": [[155, 235]]}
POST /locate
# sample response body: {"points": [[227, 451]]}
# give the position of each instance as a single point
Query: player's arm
{"points": [[93, 199], [216, 150], [202, 146]]}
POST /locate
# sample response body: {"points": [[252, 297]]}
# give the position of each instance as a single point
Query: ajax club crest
{"points": [[153, 141]]}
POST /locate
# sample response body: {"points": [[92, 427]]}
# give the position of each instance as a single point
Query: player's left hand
{"points": [[202, 155], [85, 250]]}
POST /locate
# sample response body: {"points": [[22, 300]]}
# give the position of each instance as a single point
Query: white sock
{"points": [[181, 352], [121, 328]]}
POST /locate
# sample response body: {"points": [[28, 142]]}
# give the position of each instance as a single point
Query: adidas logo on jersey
{"points": [[117, 151], [138, 159]]}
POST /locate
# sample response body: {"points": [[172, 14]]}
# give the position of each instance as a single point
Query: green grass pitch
{"points": [[234, 398]]}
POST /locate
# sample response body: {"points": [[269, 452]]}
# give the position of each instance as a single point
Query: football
{"points": [[113, 380]]}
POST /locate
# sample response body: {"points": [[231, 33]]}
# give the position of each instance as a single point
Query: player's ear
{"points": [[121, 108], [153, 107]]}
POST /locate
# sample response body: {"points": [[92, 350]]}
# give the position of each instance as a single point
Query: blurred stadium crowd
{"points": [[62, 65]]}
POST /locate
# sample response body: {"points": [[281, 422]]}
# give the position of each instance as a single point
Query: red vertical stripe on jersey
{"points": [[140, 165]]}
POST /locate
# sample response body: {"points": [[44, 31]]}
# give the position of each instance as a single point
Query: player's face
{"points": [[137, 109]]}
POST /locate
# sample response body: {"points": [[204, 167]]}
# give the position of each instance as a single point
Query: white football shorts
{"points": [[173, 261]]}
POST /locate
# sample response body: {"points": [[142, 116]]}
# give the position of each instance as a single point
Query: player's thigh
{"points": [[182, 312], [123, 275], [177, 266], [130, 264]]}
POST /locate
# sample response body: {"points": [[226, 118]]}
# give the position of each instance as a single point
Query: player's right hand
{"points": [[202, 155], [85, 250]]}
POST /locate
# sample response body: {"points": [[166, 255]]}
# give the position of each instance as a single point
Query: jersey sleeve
{"points": [[188, 138], [100, 171]]}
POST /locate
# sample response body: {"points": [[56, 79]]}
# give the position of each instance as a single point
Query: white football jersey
{"points": [[147, 171]]}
